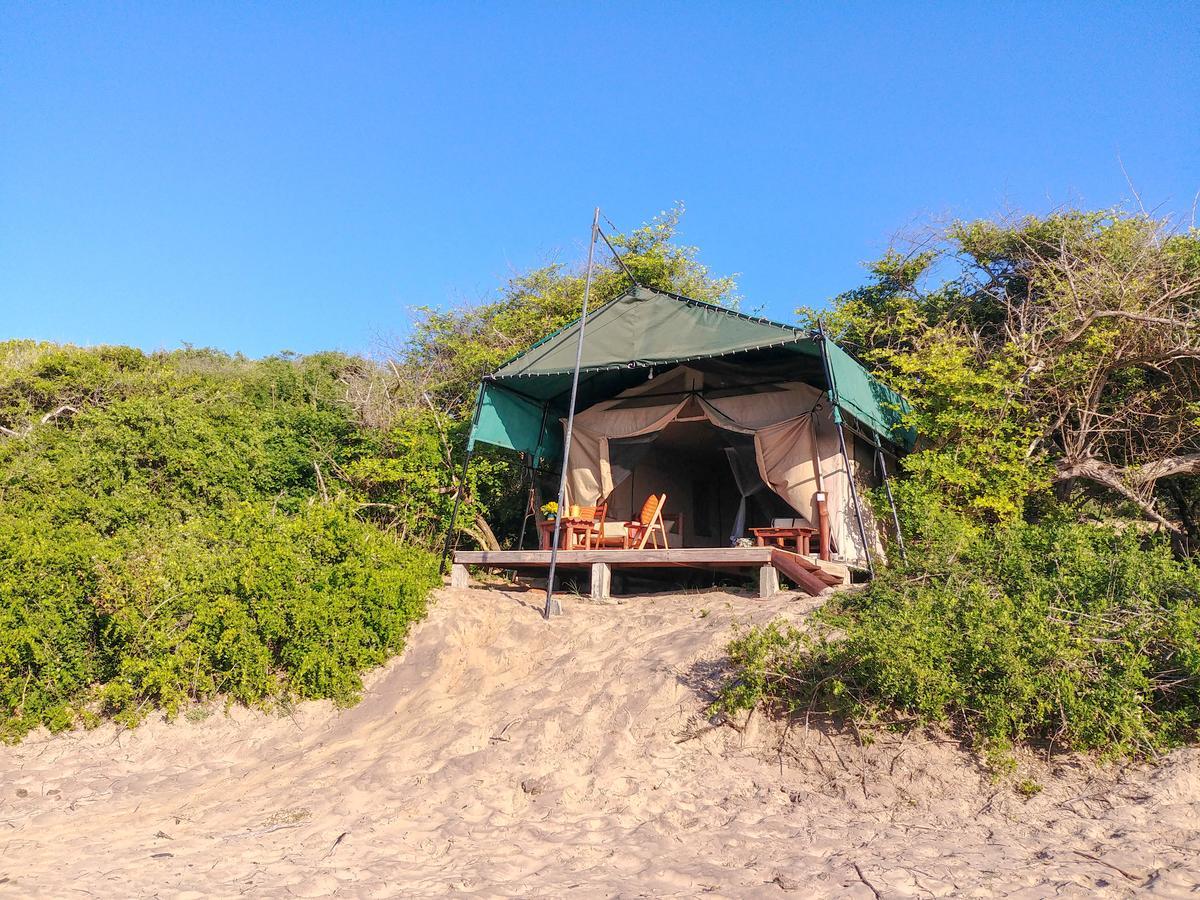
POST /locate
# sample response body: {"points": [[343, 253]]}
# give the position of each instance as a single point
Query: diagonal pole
{"points": [[617, 256], [891, 501], [841, 435], [553, 606]]}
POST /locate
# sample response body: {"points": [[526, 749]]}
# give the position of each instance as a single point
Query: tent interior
{"points": [[698, 466], [732, 448]]}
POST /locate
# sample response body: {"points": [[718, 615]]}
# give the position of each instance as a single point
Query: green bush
{"points": [[252, 604], [168, 539], [1065, 635]]}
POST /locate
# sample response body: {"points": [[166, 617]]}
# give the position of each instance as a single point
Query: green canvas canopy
{"points": [[519, 405]]}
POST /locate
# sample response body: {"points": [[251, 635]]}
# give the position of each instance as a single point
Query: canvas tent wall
{"points": [[743, 374], [791, 446]]}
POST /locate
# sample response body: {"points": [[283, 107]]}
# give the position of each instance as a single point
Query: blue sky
{"points": [[298, 176]]}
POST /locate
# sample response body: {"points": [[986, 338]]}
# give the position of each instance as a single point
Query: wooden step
{"points": [[807, 574]]}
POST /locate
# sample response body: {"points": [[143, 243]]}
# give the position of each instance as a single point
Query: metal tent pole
{"points": [[887, 487], [529, 508], [553, 606], [841, 433], [531, 512], [451, 534]]}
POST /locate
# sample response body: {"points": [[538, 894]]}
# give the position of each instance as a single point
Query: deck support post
{"points": [[601, 582], [460, 578], [768, 582]]}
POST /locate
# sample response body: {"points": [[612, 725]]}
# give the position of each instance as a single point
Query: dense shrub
{"points": [[182, 531], [1071, 636]]}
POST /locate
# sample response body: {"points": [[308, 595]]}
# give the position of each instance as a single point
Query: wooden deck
{"points": [[806, 572]]}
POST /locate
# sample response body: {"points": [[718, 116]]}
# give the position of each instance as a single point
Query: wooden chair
{"points": [[648, 526], [611, 534], [596, 514]]}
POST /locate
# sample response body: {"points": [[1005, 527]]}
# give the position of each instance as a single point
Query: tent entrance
{"points": [[709, 475]]}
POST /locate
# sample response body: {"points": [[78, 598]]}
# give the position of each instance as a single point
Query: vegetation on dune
{"points": [[175, 526], [1064, 635], [1051, 593]]}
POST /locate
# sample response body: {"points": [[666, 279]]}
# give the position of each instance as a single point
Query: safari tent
{"points": [[734, 417]]}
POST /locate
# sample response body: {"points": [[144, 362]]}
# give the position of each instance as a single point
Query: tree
{"points": [[1064, 350], [435, 371], [449, 351]]}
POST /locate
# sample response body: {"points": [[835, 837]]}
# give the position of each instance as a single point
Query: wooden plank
{"points": [[831, 573], [601, 582], [747, 556], [768, 582], [459, 576], [803, 578], [731, 568], [809, 574]]}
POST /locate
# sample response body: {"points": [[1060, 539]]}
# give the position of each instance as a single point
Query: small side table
{"points": [[567, 534], [800, 538]]}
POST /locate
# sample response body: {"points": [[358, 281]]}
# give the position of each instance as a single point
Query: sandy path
{"points": [[502, 756]]}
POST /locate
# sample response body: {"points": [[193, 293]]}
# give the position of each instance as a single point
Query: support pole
{"points": [[534, 458], [887, 487], [451, 534], [553, 606], [841, 433], [530, 511], [824, 552]]}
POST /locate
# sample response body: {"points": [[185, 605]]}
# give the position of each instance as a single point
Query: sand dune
{"points": [[504, 756]]}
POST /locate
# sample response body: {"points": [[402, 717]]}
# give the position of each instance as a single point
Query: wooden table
{"points": [[800, 538], [567, 533]]}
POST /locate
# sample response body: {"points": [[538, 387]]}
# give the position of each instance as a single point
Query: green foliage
{"points": [[967, 408], [184, 529], [1041, 351], [1074, 636], [1035, 353], [975, 432]]}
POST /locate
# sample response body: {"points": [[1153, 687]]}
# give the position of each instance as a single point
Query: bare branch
{"points": [[1186, 464], [1092, 318], [1113, 478], [54, 414]]}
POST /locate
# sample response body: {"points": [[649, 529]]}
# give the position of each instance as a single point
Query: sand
{"points": [[504, 756]]}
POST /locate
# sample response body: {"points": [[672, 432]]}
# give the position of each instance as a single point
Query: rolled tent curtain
{"points": [[744, 466], [796, 464], [795, 457]]}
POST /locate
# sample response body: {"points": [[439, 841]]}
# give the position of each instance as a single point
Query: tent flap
{"points": [[796, 451], [510, 420], [874, 404]]}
